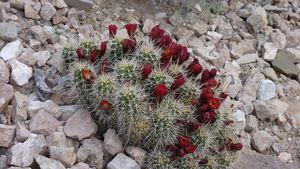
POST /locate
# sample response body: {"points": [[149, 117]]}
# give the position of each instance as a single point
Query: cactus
{"points": [[156, 96]]}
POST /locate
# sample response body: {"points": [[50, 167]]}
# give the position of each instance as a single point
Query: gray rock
{"points": [[91, 152], [8, 32], [57, 138], [47, 11], [80, 4], [285, 157], [4, 72], [148, 25], [270, 51], [22, 154], [59, 4], [252, 160], [199, 28], [19, 109], [294, 54], [30, 12], [11, 50], [20, 73], [47, 163], [239, 121], [137, 154], [3, 162], [278, 38], [112, 142], [41, 57], [251, 123], [266, 90], [248, 58], [22, 133], [183, 33], [81, 166], [43, 123], [87, 128], [6, 94], [39, 33], [34, 106], [262, 140], [65, 155], [270, 73], [283, 64], [293, 38], [7, 134], [270, 110], [121, 161]]}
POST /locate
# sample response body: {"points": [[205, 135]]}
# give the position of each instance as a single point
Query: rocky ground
{"points": [[254, 45]]}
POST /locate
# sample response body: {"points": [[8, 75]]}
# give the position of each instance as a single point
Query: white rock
{"points": [[112, 142], [59, 4], [251, 123], [215, 35], [7, 134], [270, 51], [262, 140], [266, 90], [22, 133], [65, 155], [294, 54], [285, 157], [81, 166], [278, 38], [57, 138], [137, 154], [30, 12], [270, 73], [11, 50], [34, 106], [148, 25], [47, 11], [247, 58], [20, 73], [47, 163], [41, 57], [8, 31], [240, 121], [121, 161], [4, 72]]}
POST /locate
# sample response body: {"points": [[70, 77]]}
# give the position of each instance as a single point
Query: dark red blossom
{"points": [[93, 55], [213, 103], [104, 66], [87, 75], [207, 117], [164, 41], [183, 55], [212, 73], [184, 141], [147, 69], [193, 126], [156, 33], [194, 68], [103, 48], [112, 30], [131, 28], [80, 53], [207, 93], [181, 152], [167, 53], [195, 102], [191, 148], [203, 108], [104, 105], [212, 82], [236, 147], [180, 80], [165, 65], [161, 90], [205, 76], [128, 45]]}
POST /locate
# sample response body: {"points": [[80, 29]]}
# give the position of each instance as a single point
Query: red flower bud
{"points": [[180, 80], [128, 44], [213, 116], [193, 126], [160, 91], [207, 93], [205, 76], [87, 75], [104, 66], [194, 68], [131, 28], [203, 108], [104, 105], [183, 55], [207, 117], [191, 148], [147, 69], [212, 82], [212, 73], [112, 30], [103, 48], [164, 41], [156, 33], [181, 153], [79, 53], [237, 146], [184, 141], [93, 55], [213, 103], [167, 53]]}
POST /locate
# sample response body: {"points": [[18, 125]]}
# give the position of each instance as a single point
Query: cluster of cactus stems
{"points": [[156, 96]]}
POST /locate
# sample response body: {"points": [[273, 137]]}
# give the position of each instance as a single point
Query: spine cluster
{"points": [[156, 95]]}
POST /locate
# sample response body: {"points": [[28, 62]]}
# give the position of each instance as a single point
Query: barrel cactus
{"points": [[156, 95]]}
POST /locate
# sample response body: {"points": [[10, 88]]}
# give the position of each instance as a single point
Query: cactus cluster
{"points": [[156, 95]]}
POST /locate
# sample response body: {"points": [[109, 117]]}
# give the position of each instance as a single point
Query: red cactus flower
{"points": [[131, 28], [147, 69], [237, 146], [184, 141], [195, 102], [212, 73], [93, 55], [203, 108], [207, 93], [191, 148], [205, 76], [103, 48], [112, 30], [212, 82], [104, 105], [213, 103], [160, 91], [128, 45], [164, 41], [87, 75], [79, 53], [207, 117], [104, 66], [156, 33], [180, 80], [183, 55], [181, 153], [167, 53], [194, 68], [193, 126]]}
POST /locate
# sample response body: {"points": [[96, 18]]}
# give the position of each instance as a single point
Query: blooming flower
{"points": [[213, 103], [79, 53], [191, 148], [160, 91], [112, 30], [164, 41], [128, 44], [131, 28], [104, 105], [193, 126], [184, 141], [87, 75], [156, 33], [207, 93]]}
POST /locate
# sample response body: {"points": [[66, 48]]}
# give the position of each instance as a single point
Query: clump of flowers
{"points": [[156, 95]]}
